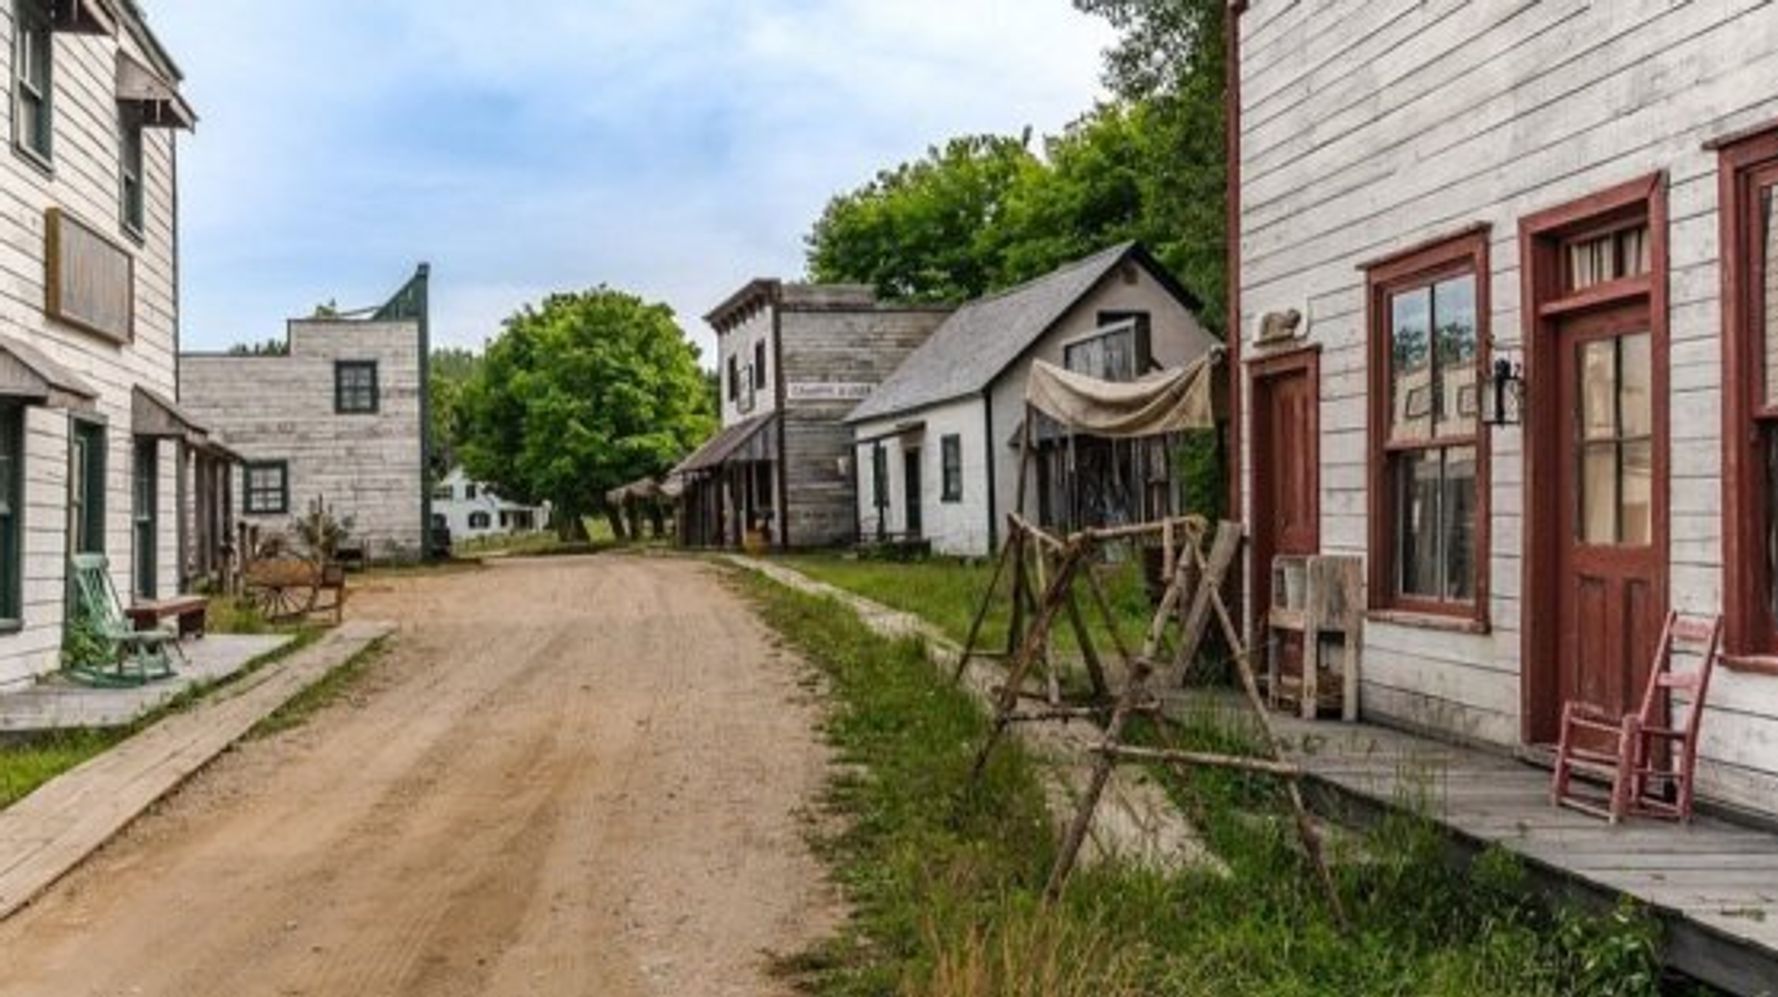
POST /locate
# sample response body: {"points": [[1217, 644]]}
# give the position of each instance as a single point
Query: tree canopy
{"points": [[576, 397], [982, 213], [450, 370]]}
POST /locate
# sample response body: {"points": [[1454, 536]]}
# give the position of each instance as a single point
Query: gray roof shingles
{"points": [[984, 337]]}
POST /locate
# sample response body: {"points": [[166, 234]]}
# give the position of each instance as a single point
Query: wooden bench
{"points": [[190, 611]]}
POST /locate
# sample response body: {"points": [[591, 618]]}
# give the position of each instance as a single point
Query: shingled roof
{"points": [[984, 337]]}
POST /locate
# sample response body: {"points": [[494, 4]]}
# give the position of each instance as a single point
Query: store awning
{"points": [[25, 373], [155, 415], [162, 105], [84, 17], [735, 441]]}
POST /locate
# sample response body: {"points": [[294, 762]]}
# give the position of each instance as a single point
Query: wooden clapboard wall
{"points": [[1368, 127]]}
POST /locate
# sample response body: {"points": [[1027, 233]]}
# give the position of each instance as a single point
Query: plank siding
{"points": [[1370, 127], [367, 466], [84, 183]]}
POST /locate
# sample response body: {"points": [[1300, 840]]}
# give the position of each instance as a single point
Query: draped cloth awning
{"points": [[1168, 402], [162, 105], [27, 374]]}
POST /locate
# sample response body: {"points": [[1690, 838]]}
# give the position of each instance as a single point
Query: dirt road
{"points": [[574, 776]]}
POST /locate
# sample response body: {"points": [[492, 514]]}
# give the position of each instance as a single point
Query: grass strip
{"points": [[330, 689], [944, 880], [27, 761]]}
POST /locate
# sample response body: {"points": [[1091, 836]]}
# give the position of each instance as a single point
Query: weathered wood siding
{"points": [[1370, 127], [367, 466], [1177, 339], [84, 183], [830, 352]]}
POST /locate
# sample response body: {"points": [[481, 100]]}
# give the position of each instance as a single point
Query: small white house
{"points": [[469, 508], [936, 445]]}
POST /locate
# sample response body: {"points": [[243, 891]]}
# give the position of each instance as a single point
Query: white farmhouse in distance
{"points": [[471, 509]]}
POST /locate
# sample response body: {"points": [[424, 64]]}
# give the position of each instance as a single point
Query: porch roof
{"points": [[724, 445], [154, 414], [27, 373]]}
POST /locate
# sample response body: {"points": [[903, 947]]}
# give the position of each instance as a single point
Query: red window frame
{"points": [[1747, 163], [1465, 252]]}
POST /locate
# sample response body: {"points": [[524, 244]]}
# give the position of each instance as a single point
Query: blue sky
{"points": [[673, 148]]}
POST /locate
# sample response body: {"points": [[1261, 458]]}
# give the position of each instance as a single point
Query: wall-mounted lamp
{"points": [[1505, 394]]}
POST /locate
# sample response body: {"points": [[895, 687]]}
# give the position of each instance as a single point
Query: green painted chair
{"points": [[129, 657]]}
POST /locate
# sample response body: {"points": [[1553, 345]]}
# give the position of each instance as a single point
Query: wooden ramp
{"points": [[1714, 884]]}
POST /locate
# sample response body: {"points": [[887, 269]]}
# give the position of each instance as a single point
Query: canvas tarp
{"points": [[1168, 402]]}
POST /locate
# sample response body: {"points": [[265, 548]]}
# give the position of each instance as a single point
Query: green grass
{"points": [[332, 687], [27, 764], [29, 761], [944, 879], [948, 591]]}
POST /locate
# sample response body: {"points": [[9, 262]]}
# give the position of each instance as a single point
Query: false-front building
{"points": [[792, 359], [338, 416], [938, 445], [1585, 192], [94, 452]]}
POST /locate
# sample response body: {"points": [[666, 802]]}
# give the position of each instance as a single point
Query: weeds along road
{"points": [[568, 776]]}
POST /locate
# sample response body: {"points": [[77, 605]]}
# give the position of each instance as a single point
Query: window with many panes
{"points": [[268, 487], [1428, 336], [355, 386], [951, 454], [32, 79], [132, 208], [12, 503], [1749, 233]]}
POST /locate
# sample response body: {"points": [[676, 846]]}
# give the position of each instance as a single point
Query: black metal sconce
{"points": [[1506, 394]]}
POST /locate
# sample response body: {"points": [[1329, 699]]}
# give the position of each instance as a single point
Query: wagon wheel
{"points": [[282, 603]]}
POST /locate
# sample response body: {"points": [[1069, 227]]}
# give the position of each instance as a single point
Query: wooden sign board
{"points": [[90, 281]]}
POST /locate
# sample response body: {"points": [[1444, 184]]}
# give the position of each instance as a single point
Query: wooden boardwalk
{"points": [[51, 831], [58, 704], [1714, 884]]}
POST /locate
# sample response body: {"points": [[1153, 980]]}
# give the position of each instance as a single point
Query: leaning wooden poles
{"points": [[1192, 599]]}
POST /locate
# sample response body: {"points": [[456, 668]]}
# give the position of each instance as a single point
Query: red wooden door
{"points": [[1286, 468], [1611, 568]]}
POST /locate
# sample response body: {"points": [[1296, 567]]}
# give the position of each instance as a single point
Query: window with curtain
{"points": [[1429, 331]]}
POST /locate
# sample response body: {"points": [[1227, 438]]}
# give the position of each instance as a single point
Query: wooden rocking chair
{"points": [[130, 657], [1650, 768]]}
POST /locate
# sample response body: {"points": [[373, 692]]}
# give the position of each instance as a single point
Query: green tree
{"points": [[451, 368], [983, 213], [1169, 63], [265, 348], [588, 392], [925, 230]]}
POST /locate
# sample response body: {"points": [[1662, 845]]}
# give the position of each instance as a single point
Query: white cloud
{"points": [[673, 148]]}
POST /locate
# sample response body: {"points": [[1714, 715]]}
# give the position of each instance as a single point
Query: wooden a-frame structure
{"points": [[1046, 570]]}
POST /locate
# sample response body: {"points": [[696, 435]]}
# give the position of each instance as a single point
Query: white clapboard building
{"points": [[937, 444], [469, 509], [93, 446], [1585, 192]]}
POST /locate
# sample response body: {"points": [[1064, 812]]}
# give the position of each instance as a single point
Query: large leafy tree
{"points": [[985, 212], [925, 230], [576, 397]]}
